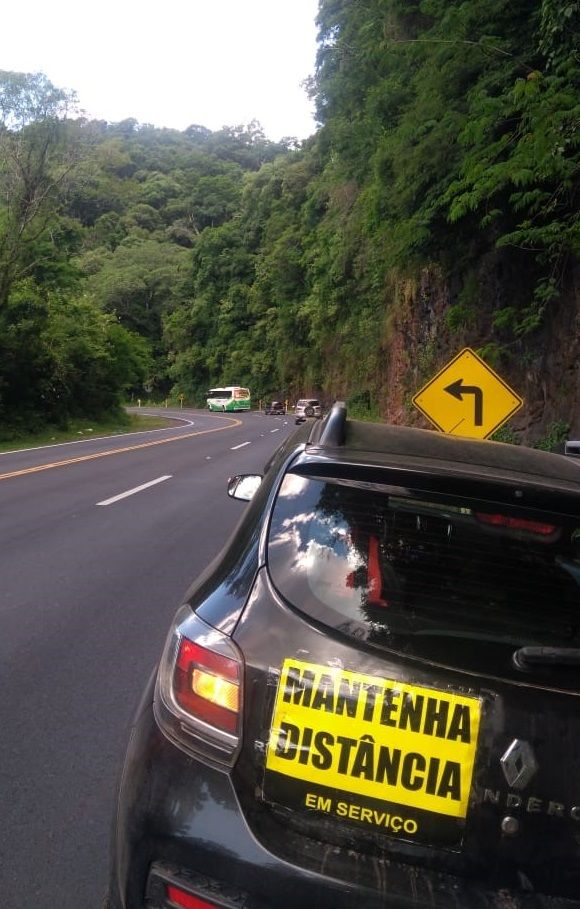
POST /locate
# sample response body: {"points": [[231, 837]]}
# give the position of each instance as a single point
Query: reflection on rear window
{"points": [[406, 570]]}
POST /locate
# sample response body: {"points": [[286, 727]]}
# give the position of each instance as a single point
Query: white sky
{"points": [[212, 62]]}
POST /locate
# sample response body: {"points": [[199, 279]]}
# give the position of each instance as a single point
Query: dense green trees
{"points": [[60, 354], [97, 224], [37, 152], [449, 142], [448, 147]]}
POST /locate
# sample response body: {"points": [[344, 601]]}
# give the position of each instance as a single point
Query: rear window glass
{"points": [[410, 571]]}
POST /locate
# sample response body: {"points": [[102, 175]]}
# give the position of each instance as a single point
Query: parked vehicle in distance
{"points": [[275, 408], [371, 697], [307, 407], [229, 398]]}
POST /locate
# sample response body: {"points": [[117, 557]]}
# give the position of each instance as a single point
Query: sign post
{"points": [[467, 398]]}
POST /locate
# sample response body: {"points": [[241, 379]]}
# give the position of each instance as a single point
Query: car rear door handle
{"points": [[547, 656]]}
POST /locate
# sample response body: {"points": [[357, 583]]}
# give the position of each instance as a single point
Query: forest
{"points": [[435, 207]]}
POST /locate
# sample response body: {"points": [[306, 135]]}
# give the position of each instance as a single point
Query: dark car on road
{"points": [[275, 408], [372, 697]]}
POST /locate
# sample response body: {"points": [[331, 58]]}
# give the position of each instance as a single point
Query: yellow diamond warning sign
{"points": [[467, 398]]}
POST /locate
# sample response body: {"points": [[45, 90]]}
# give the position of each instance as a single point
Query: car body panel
{"points": [[185, 816], [546, 840], [257, 836]]}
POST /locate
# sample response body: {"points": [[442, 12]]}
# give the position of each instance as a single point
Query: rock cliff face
{"points": [[430, 327], [551, 380]]}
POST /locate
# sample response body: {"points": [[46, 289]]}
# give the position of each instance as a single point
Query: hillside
{"points": [[436, 207]]}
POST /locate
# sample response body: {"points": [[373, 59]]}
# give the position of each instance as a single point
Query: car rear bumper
{"points": [[179, 821]]}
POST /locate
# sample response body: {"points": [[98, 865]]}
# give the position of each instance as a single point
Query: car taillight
{"points": [[502, 520], [207, 685], [198, 694], [179, 897]]}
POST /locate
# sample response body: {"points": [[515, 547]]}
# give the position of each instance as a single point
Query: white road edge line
{"points": [[243, 445], [119, 435], [131, 492]]}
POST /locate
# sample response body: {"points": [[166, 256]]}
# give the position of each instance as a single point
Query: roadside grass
{"points": [[82, 429], [366, 414]]}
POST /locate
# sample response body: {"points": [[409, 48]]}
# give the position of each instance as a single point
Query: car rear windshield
{"points": [[429, 575]]}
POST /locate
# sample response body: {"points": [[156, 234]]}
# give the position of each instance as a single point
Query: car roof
{"points": [[430, 451]]}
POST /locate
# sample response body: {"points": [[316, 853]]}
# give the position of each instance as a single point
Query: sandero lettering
{"points": [[374, 702], [531, 805]]}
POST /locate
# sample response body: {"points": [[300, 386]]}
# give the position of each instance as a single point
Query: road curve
{"points": [[62, 454]]}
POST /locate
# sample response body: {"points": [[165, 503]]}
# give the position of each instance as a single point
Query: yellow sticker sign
{"points": [[361, 743], [467, 398]]}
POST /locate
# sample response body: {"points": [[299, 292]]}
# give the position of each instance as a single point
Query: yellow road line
{"points": [[113, 451]]}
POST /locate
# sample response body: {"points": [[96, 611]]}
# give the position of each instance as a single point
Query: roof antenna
{"points": [[333, 430]]}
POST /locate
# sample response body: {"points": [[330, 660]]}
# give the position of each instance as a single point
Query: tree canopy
{"points": [[447, 153]]}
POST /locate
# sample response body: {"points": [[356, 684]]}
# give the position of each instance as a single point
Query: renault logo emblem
{"points": [[518, 764]]}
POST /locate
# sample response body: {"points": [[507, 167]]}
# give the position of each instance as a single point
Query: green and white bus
{"points": [[228, 398]]}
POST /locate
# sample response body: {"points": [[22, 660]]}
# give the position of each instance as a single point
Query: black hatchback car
{"points": [[372, 697]]}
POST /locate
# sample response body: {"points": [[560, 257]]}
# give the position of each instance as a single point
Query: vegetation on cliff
{"points": [[448, 144]]}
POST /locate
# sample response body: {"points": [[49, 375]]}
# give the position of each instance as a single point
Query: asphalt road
{"points": [[90, 579]]}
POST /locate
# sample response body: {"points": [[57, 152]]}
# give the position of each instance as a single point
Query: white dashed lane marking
{"points": [[131, 492]]}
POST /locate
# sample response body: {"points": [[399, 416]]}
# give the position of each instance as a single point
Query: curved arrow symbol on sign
{"points": [[458, 389]]}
